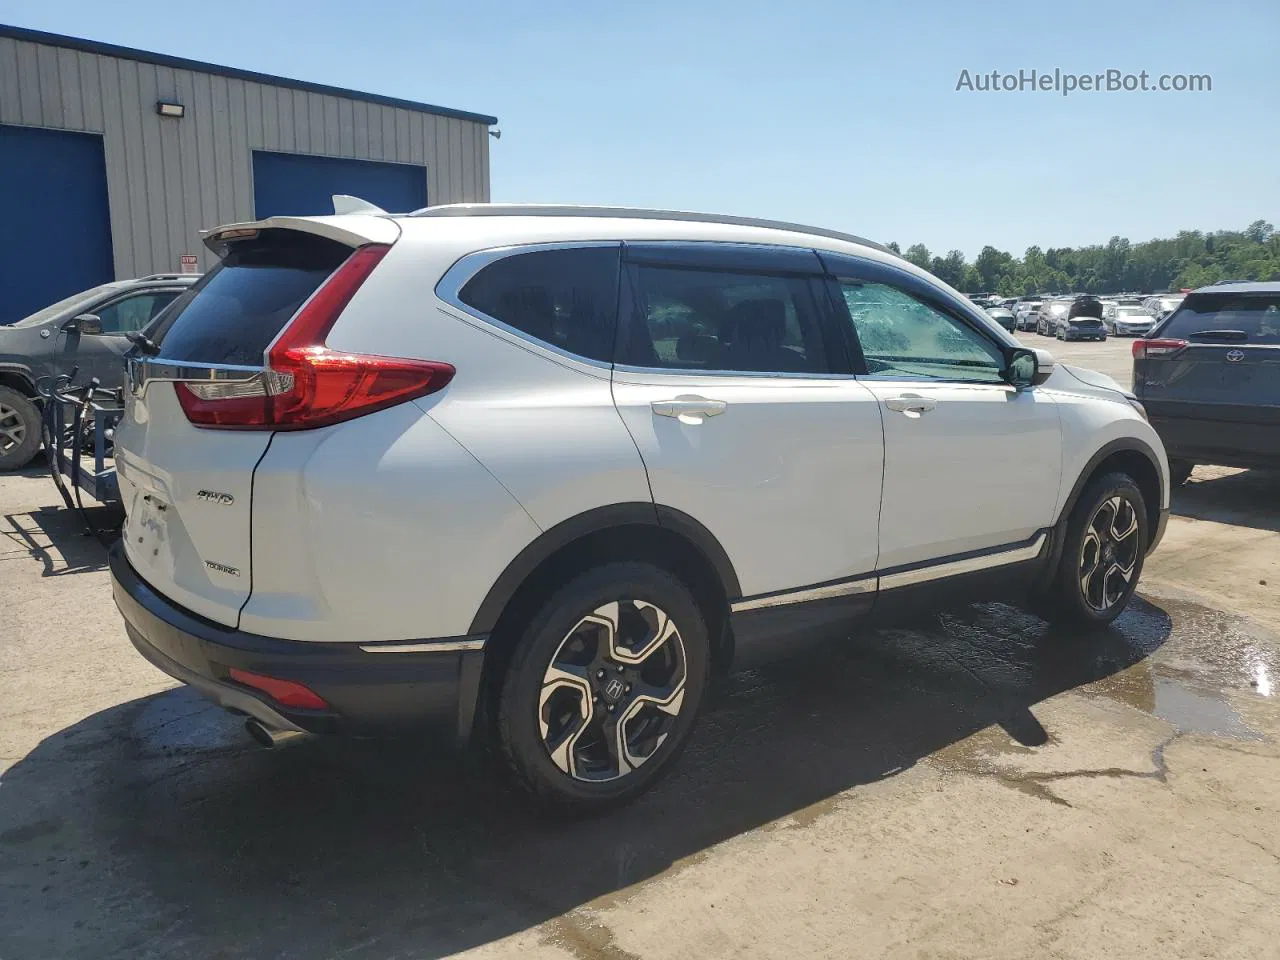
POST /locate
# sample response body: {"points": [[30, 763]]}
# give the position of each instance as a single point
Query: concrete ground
{"points": [[980, 786]]}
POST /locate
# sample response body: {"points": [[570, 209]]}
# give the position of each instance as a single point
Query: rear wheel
{"points": [[19, 429], [601, 693], [1180, 472], [1102, 557]]}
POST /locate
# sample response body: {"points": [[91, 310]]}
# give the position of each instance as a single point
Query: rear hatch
{"points": [[201, 401], [1213, 369]]}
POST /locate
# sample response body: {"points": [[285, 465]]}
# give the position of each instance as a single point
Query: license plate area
{"points": [[147, 531]]}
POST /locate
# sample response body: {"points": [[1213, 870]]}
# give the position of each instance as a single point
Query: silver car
{"points": [[1122, 320]]}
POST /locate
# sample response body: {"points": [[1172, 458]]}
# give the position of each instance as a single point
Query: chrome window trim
{"points": [[940, 569], [463, 270], [450, 285], [686, 373]]}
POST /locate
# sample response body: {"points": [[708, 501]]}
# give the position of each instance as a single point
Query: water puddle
{"points": [[1196, 711]]}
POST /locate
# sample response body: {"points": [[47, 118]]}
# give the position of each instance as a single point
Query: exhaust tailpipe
{"points": [[270, 737]]}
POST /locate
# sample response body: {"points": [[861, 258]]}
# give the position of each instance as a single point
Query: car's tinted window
{"points": [[722, 321], [566, 297], [1256, 316], [133, 313], [234, 312], [905, 337]]}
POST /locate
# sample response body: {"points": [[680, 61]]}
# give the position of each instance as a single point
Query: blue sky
{"points": [[833, 113]]}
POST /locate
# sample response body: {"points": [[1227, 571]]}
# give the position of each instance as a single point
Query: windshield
{"points": [[1137, 312], [1257, 316], [70, 305]]}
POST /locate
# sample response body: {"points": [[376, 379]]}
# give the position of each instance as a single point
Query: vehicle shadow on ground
{"points": [[1248, 498], [57, 537], [153, 828]]}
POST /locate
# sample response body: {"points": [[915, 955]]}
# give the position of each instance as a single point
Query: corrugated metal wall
{"points": [[168, 179]]}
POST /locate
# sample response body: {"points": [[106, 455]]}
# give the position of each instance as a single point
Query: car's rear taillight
{"points": [[306, 384], [1145, 349]]}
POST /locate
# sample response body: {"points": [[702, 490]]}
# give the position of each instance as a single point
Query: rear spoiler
{"points": [[352, 229]]}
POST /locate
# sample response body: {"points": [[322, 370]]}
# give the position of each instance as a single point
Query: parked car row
{"points": [[1072, 317]]}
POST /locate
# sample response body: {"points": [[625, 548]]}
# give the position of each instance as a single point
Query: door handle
{"points": [[689, 409], [911, 404]]}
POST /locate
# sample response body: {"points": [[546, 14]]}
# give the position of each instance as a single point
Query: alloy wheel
{"points": [[612, 691], [1109, 553], [13, 430]]}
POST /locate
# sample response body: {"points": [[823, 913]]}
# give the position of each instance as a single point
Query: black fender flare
{"points": [[1057, 536], [593, 521], [21, 373]]}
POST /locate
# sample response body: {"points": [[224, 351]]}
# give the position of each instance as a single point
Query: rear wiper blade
{"points": [[1231, 336], [143, 342]]}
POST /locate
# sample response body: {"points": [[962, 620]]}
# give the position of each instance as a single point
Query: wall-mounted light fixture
{"points": [[495, 133], [167, 108]]}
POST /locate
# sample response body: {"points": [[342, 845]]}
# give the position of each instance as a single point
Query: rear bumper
{"points": [[1222, 442], [433, 688], [1084, 333]]}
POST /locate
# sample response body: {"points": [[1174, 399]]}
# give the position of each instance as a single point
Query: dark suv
{"points": [[1209, 376], [88, 330]]}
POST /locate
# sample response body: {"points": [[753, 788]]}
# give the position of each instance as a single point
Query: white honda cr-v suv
{"points": [[539, 472]]}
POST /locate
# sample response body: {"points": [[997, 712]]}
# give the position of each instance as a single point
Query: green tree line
{"points": [[1191, 259]]}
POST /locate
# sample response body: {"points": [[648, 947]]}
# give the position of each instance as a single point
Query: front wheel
{"points": [[19, 429], [1102, 557], [601, 693]]}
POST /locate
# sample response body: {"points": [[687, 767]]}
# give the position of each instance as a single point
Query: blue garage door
{"points": [[294, 185], [56, 239]]}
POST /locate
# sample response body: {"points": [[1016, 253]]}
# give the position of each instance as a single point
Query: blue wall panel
{"points": [[295, 185], [56, 239]]}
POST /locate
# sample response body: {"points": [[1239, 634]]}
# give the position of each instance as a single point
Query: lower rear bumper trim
{"points": [[422, 684]]}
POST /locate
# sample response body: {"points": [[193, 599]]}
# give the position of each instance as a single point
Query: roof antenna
{"points": [[342, 203]]}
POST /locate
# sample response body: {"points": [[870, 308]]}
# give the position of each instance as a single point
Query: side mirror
{"points": [[88, 323], [1021, 366]]}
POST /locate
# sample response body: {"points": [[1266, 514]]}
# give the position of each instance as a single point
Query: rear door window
{"points": [[723, 321], [236, 310], [1227, 318], [567, 298]]}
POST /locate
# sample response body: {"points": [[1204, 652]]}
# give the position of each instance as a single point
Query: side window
{"points": [[905, 337], [692, 319], [134, 313], [567, 298]]}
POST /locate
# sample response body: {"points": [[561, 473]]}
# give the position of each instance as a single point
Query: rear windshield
{"points": [[1256, 316], [238, 308]]}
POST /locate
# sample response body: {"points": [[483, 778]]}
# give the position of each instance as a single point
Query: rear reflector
{"points": [[308, 385], [1144, 349], [284, 692]]}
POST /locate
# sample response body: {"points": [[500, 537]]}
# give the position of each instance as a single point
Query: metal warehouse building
{"points": [[113, 159]]}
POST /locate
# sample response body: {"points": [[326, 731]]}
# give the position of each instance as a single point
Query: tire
{"points": [[581, 767], [1180, 472], [1075, 596], [19, 429]]}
